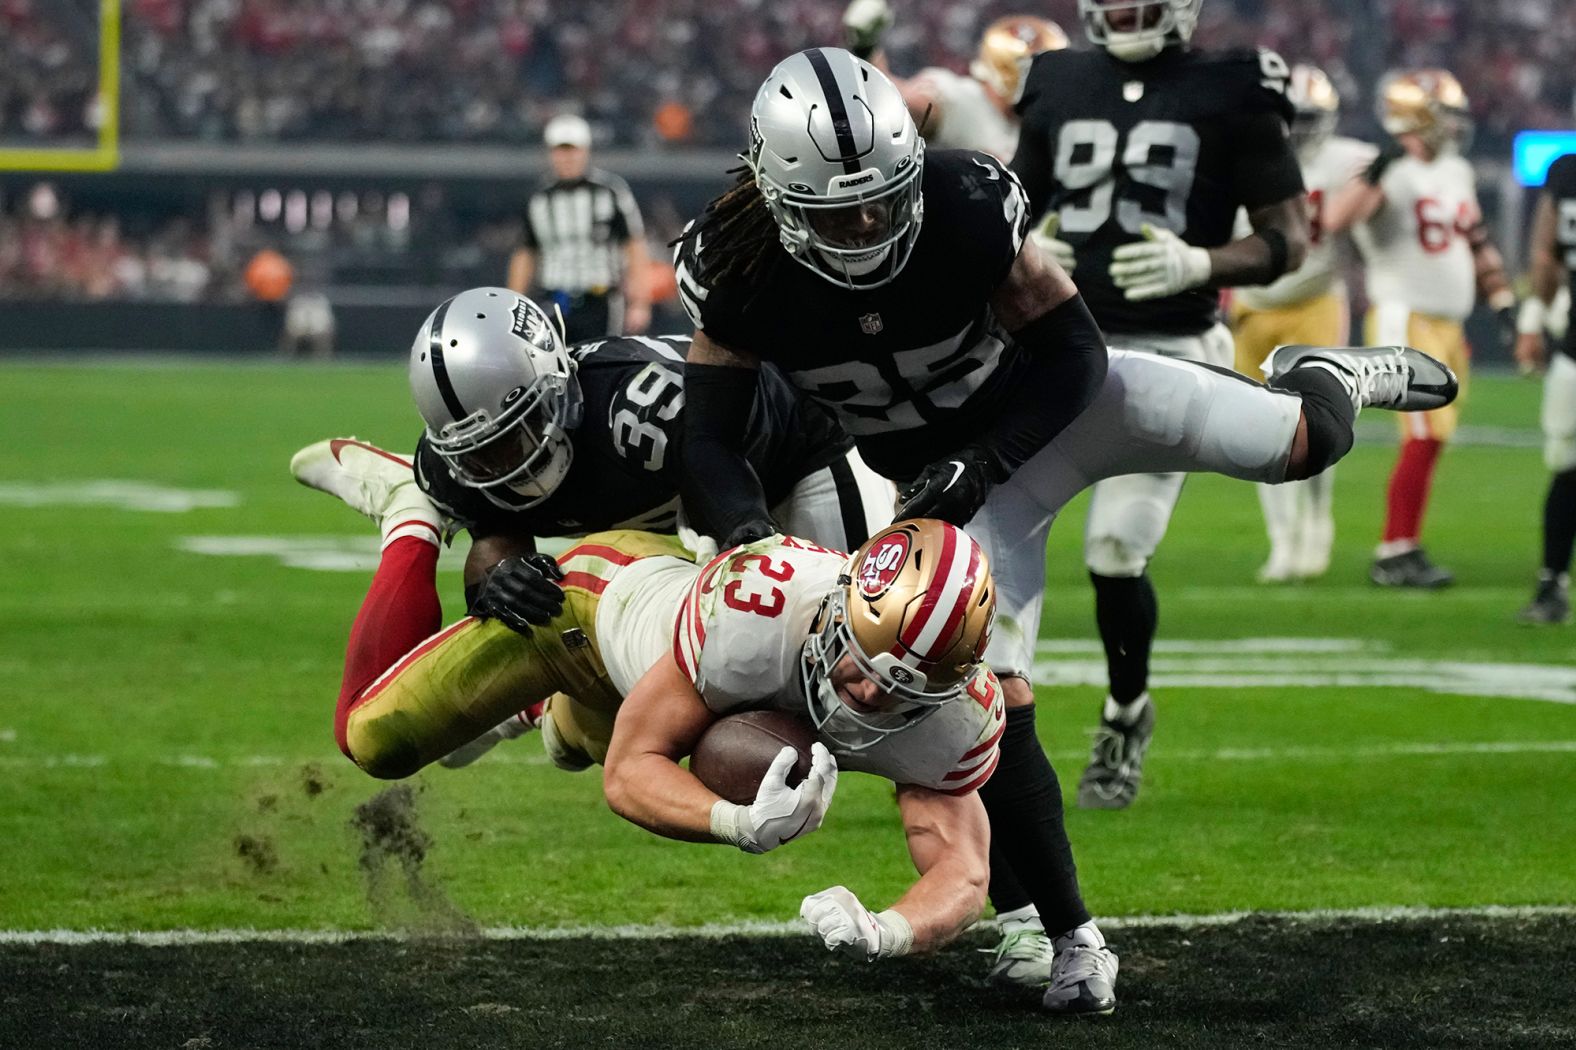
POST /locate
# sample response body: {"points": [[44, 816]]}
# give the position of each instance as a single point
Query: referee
{"points": [[584, 228]]}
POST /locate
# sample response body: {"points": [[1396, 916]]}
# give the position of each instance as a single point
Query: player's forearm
{"points": [[719, 488], [637, 287], [1356, 203], [949, 841], [658, 794], [1493, 283], [1277, 245]]}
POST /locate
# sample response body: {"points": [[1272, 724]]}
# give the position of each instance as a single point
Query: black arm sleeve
{"points": [[1067, 365], [719, 488]]}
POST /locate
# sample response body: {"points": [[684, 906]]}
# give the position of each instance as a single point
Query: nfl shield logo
{"points": [[870, 324], [1133, 90]]}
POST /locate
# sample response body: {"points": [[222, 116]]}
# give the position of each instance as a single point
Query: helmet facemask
{"points": [[1138, 30], [904, 694], [524, 449]]}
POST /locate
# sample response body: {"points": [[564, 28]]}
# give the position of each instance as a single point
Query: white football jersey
{"points": [[740, 638], [1334, 164], [1415, 245], [634, 618], [967, 116]]}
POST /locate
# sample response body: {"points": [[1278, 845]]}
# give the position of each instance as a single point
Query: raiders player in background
{"points": [[958, 112], [1415, 217], [1142, 151], [525, 438], [1548, 308], [1308, 305], [896, 288]]}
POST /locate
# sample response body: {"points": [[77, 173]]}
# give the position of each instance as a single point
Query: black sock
{"points": [[1028, 840], [1127, 612], [1328, 409], [1559, 523]]}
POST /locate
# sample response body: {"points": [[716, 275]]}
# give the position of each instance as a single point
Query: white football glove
{"points": [[864, 22], [779, 813], [1160, 265], [1045, 239], [842, 922]]}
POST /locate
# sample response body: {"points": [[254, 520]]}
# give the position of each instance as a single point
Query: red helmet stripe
{"points": [[910, 635], [932, 628]]}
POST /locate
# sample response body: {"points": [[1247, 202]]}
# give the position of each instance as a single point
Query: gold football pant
{"points": [[472, 675], [1392, 324], [1321, 321]]}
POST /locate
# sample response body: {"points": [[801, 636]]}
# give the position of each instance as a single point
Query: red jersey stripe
{"points": [[585, 581]]}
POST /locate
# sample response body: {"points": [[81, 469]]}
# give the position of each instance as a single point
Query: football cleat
{"points": [[1023, 957], [1313, 556], [368, 479], [1083, 975], [510, 728], [1393, 377], [1551, 602], [1116, 762], [1280, 568], [1410, 569]]}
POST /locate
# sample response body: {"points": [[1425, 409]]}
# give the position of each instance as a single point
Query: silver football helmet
{"points": [[1138, 30], [838, 161], [496, 386]]}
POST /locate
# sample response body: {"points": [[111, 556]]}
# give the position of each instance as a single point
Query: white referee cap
{"points": [[566, 129]]}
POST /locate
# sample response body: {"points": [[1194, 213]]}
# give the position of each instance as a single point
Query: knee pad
{"points": [[1115, 556]]}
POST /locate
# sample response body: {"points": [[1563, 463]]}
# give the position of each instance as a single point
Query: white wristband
{"points": [[730, 823], [1532, 318], [897, 935]]}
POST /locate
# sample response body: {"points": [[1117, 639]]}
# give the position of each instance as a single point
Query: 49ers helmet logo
{"points": [[883, 561]]}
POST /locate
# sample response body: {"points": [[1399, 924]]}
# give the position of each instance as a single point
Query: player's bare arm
{"points": [[487, 551], [720, 490], [1278, 245], [637, 287], [1358, 202], [522, 269], [949, 840], [658, 724]]}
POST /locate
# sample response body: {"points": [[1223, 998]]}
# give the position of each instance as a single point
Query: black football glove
{"points": [[520, 592], [1392, 152], [750, 531], [952, 489]]}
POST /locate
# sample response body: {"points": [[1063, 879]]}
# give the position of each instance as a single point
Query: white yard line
{"points": [[748, 928]]}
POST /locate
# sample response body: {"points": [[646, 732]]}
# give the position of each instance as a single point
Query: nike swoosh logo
{"points": [[956, 474], [338, 445]]}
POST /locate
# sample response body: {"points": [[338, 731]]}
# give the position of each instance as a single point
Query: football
{"points": [[732, 756]]}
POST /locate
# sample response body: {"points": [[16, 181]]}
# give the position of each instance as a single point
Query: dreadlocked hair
{"points": [[740, 232]]}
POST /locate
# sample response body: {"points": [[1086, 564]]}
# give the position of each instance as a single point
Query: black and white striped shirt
{"points": [[579, 228]]}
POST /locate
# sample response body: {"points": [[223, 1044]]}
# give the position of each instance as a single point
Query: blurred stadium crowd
{"points": [[646, 74], [649, 72]]}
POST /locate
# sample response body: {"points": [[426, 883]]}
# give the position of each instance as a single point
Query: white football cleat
{"points": [[1083, 977], [1313, 559], [1280, 567], [371, 481], [509, 729], [1393, 377], [1023, 957]]}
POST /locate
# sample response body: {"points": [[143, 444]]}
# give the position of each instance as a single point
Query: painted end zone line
{"points": [[713, 931]]}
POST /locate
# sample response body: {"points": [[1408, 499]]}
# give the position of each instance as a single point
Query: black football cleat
{"points": [[1116, 762], [1395, 377]]}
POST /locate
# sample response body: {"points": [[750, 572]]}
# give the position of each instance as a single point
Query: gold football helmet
{"points": [[1317, 106], [1006, 48], [912, 613], [1428, 103]]}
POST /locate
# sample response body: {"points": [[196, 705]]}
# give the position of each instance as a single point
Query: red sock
{"points": [[1409, 483], [400, 611]]}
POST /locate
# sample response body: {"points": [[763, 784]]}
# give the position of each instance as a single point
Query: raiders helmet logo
{"points": [[870, 324], [882, 563], [527, 321]]}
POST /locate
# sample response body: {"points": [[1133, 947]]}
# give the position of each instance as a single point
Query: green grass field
{"points": [[167, 680]]}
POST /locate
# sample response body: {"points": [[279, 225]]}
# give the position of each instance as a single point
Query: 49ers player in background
{"points": [[1306, 306], [953, 111], [1422, 236]]}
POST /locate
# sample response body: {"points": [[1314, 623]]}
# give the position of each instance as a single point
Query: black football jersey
{"points": [[626, 456], [1561, 186], [1179, 142], [912, 368]]}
